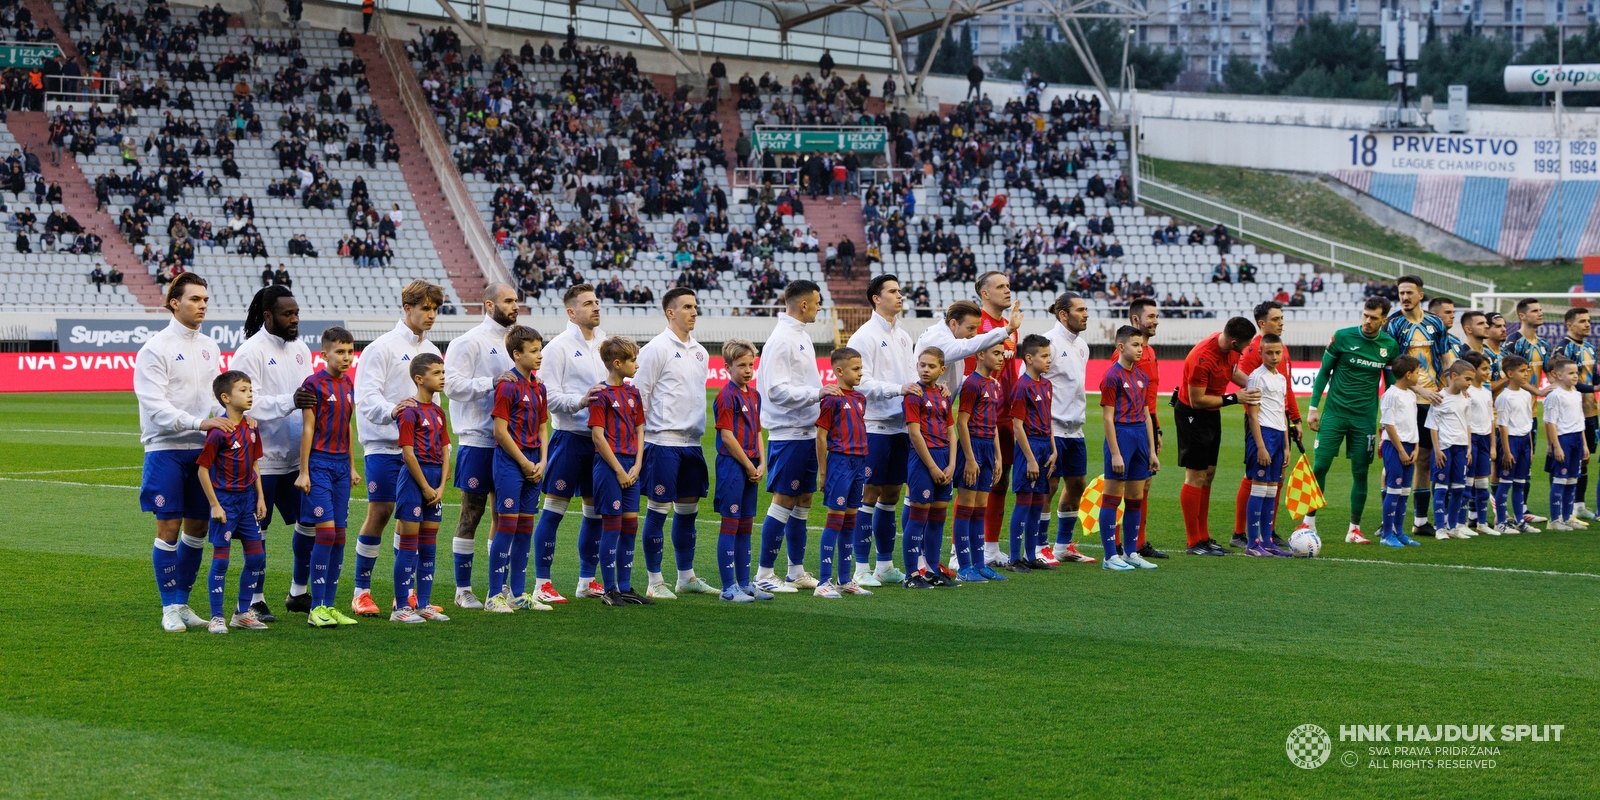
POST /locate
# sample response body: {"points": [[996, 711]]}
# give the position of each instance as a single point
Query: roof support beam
{"points": [[825, 11], [693, 7], [656, 32]]}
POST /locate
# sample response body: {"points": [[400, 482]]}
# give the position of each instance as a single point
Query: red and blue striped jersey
{"points": [[980, 399], [422, 427], [521, 403], [845, 419], [620, 411], [739, 410], [931, 411], [231, 457], [1030, 402], [336, 401], [1125, 389]]}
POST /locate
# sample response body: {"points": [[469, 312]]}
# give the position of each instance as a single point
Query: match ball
{"points": [[1305, 544]]}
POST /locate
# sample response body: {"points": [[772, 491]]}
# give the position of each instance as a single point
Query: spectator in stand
{"points": [[97, 276], [1220, 237], [1282, 296], [1301, 284], [1316, 283], [1298, 300], [1220, 273], [266, 276], [114, 275], [281, 277], [1247, 271]]}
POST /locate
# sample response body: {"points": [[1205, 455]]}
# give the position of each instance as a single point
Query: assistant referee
{"points": [[1197, 413]]}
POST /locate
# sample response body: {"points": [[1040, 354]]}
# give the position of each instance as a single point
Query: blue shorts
{"points": [[329, 498], [1019, 470], [1482, 465], [1072, 458], [1521, 459], [408, 496], [1454, 471], [920, 487], [240, 507], [1134, 443], [847, 475], [383, 475], [983, 454], [571, 468], [736, 493], [1396, 475], [1272, 473], [171, 485], [513, 494], [673, 472], [888, 456], [609, 496], [281, 494], [792, 466], [1572, 449], [475, 468]]}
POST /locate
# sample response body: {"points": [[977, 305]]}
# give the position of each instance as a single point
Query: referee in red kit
{"points": [[1197, 416]]}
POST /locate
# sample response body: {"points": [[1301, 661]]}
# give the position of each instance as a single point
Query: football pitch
{"points": [[1184, 681]]}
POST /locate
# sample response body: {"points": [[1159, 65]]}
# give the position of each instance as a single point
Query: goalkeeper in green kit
{"points": [[1351, 369]]}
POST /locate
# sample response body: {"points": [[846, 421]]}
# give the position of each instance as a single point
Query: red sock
{"points": [[1190, 499], [1239, 502], [1144, 520], [1205, 513], [994, 513]]}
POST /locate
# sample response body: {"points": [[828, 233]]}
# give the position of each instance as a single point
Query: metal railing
{"points": [[1300, 244], [1559, 302], [438, 154]]}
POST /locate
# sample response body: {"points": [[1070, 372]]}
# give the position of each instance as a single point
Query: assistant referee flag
{"points": [[1302, 495]]}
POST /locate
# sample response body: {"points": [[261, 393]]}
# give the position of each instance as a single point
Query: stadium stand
{"points": [[1514, 217], [303, 145]]}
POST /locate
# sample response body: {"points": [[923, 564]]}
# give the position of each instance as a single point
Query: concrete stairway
{"points": [[432, 206], [32, 131]]}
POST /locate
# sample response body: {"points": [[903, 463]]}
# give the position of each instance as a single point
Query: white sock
{"points": [[655, 578], [764, 573], [360, 591], [861, 570], [297, 589], [1419, 521], [795, 570], [991, 548], [258, 598], [685, 575]]}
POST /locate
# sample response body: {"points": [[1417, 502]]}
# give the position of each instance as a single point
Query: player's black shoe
{"points": [[916, 581], [298, 603], [1217, 548], [1425, 530], [1206, 548], [1041, 564], [1019, 566], [262, 612], [1150, 552], [1239, 542], [937, 578], [613, 598], [637, 599]]}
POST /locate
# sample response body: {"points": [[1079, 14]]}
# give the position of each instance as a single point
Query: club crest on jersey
{"points": [[508, 502], [317, 511], [561, 484], [794, 484], [417, 510], [616, 505], [299, 359], [839, 500], [867, 472], [472, 483], [1383, 352], [161, 500], [926, 494], [733, 508], [661, 489], [699, 356], [205, 354]]}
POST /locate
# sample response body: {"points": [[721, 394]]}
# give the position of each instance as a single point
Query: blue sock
{"points": [[625, 545], [794, 535], [1131, 512], [301, 542], [883, 532], [1519, 501], [330, 595], [683, 535], [217, 578], [1394, 507], [521, 544], [255, 568], [932, 543], [1502, 513], [975, 523], [1065, 522], [321, 556], [962, 546], [1020, 513], [505, 528], [826, 546], [655, 538], [405, 564], [1569, 503], [589, 534], [1480, 502], [544, 541], [741, 552], [427, 551], [1442, 518], [163, 558], [911, 539], [610, 536], [189, 551], [772, 528], [727, 552], [461, 552], [863, 535], [1252, 520], [366, 559]]}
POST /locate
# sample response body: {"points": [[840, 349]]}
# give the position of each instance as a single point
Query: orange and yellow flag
{"points": [[1302, 495]]}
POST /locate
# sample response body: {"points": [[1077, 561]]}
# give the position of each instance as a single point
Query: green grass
{"points": [[1312, 207], [1183, 682]]}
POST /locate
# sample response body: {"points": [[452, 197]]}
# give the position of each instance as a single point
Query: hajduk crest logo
{"points": [[1308, 746]]}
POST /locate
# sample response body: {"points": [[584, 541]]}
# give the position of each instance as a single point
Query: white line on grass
{"points": [[86, 469], [1463, 566], [61, 430]]}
